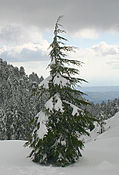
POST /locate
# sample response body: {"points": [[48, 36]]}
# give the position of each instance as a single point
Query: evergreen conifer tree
{"points": [[58, 126]]}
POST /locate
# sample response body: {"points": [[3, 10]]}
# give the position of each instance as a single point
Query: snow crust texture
{"points": [[100, 156]]}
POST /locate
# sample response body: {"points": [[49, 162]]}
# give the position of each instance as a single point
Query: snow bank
{"points": [[100, 156]]}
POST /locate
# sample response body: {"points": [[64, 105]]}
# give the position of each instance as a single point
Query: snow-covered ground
{"points": [[100, 156]]}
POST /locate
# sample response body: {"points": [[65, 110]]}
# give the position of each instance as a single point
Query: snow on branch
{"points": [[45, 83], [75, 109], [60, 80], [42, 120], [58, 106]]}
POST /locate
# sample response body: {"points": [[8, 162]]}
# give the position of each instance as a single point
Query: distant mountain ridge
{"points": [[97, 94]]}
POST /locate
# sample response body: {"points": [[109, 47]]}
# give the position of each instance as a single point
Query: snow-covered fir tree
{"points": [[58, 126]]}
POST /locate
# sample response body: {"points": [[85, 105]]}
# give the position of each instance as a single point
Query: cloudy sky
{"points": [[26, 28]]}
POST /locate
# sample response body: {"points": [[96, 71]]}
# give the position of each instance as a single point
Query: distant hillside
{"points": [[101, 93]]}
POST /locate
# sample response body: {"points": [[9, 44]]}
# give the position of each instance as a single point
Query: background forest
{"points": [[18, 106]]}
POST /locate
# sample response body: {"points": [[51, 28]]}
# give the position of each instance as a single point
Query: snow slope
{"points": [[100, 156]]}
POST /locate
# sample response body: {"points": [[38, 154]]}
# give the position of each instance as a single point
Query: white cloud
{"points": [[86, 34], [101, 64], [18, 42], [25, 53], [14, 34], [101, 61], [104, 49]]}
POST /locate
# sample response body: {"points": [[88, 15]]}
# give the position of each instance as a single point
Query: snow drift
{"points": [[100, 156]]}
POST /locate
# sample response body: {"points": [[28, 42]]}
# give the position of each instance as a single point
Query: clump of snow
{"points": [[45, 83], [56, 105], [49, 104], [62, 142], [42, 119], [57, 80], [60, 80], [75, 109]]}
